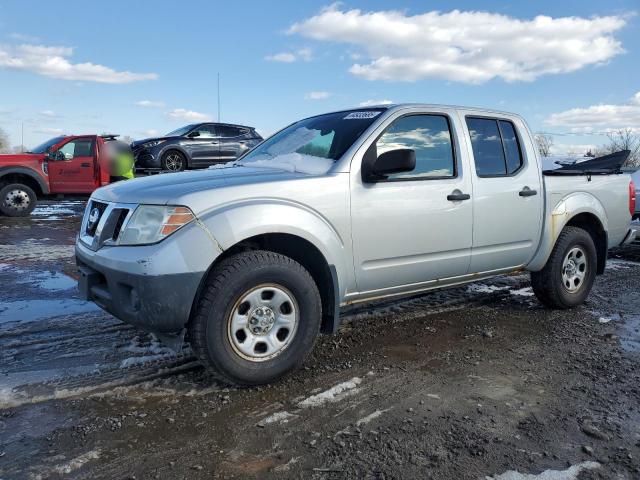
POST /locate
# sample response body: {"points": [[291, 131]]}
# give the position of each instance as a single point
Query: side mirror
{"points": [[193, 135], [55, 155], [394, 161]]}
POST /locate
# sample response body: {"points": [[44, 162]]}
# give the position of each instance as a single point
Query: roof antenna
{"points": [[218, 97]]}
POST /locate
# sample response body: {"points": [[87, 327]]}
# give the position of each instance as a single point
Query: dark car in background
{"points": [[198, 145]]}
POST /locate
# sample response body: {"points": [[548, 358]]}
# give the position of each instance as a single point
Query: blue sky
{"points": [[280, 61]]}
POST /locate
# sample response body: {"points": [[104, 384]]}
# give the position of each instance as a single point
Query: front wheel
{"points": [[174, 161], [567, 277], [17, 200], [257, 319]]}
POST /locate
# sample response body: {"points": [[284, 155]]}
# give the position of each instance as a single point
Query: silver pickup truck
{"points": [[251, 261]]}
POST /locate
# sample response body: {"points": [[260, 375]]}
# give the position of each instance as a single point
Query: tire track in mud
{"points": [[76, 355]]}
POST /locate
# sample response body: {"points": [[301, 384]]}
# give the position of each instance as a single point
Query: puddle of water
{"points": [[630, 333], [34, 310]]}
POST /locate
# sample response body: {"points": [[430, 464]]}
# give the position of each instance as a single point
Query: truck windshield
{"points": [[312, 145], [44, 147], [179, 132]]}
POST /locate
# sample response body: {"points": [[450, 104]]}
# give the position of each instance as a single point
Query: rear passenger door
{"points": [[230, 138], [507, 193]]}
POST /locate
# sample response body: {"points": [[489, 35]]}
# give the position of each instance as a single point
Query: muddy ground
{"points": [[472, 382]]}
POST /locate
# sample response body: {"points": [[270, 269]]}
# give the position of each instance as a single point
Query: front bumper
{"points": [[153, 286], [145, 158]]}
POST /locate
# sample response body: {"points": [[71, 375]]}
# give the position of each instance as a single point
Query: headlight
{"points": [[153, 143], [152, 223]]}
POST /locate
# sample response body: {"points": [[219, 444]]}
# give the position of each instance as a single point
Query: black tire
{"points": [[549, 285], [174, 161], [210, 330], [17, 200]]}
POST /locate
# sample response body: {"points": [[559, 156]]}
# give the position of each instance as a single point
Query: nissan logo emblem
{"points": [[94, 216]]}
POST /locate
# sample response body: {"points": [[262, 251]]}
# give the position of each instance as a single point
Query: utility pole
{"points": [[218, 97], [21, 137]]}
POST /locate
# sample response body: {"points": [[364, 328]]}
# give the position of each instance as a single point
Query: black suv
{"points": [[194, 146]]}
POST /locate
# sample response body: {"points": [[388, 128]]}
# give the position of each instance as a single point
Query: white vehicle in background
{"points": [[251, 261]]}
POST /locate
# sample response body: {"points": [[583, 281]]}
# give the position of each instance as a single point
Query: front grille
{"points": [[103, 222], [122, 215]]}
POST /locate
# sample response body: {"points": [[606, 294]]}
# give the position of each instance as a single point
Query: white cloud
{"points": [[290, 57], [317, 95], [188, 115], [21, 37], [370, 103], [54, 62], [149, 104], [465, 46], [48, 113], [603, 117], [572, 148]]}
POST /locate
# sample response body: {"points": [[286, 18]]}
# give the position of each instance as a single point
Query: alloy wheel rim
{"points": [[17, 200], [263, 322], [174, 162], [574, 269]]}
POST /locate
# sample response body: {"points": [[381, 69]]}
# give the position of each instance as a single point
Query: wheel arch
{"points": [[175, 148], [25, 176], [302, 251], [581, 210]]}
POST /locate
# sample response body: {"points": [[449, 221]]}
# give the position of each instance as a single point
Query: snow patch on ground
{"points": [[616, 264], [78, 462], [278, 417], [482, 288], [523, 292], [371, 416], [568, 474], [334, 394]]}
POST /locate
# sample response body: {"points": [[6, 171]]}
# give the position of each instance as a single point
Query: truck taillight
{"points": [[632, 197]]}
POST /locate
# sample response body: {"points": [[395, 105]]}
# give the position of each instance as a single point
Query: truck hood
{"points": [[176, 188], [19, 158]]}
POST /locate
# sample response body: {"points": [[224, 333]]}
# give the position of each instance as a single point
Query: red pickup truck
{"points": [[75, 164]]}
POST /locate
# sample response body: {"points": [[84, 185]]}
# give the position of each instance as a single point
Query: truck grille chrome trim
{"points": [[103, 222]]}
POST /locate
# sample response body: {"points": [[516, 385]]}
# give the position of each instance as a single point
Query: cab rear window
{"points": [[496, 149]]}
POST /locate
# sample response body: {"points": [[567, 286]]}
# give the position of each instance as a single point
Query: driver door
{"points": [[413, 229], [72, 167]]}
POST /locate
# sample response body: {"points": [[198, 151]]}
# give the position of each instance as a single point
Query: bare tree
{"points": [[4, 141], [544, 143], [624, 139]]}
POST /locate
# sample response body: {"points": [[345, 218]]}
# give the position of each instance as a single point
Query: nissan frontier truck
{"points": [[251, 261]]}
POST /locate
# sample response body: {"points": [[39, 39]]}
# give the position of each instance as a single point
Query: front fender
{"points": [[242, 220], [30, 172], [562, 211]]}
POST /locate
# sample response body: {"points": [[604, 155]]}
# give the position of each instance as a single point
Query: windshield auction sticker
{"points": [[361, 115]]}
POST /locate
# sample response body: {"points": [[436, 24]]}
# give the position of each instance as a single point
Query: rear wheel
{"points": [[568, 276], [174, 161], [17, 200], [257, 318]]}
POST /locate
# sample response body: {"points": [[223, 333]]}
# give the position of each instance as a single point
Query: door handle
{"points": [[85, 164], [457, 196], [527, 192]]}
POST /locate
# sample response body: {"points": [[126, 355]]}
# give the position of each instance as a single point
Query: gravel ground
{"points": [[474, 382]]}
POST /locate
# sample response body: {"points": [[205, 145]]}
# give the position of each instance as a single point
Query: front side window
{"points": [[206, 131], [77, 148], [430, 137], [496, 150]]}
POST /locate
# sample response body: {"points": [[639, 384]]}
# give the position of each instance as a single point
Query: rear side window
{"points": [[430, 137], [226, 131], [496, 149]]}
